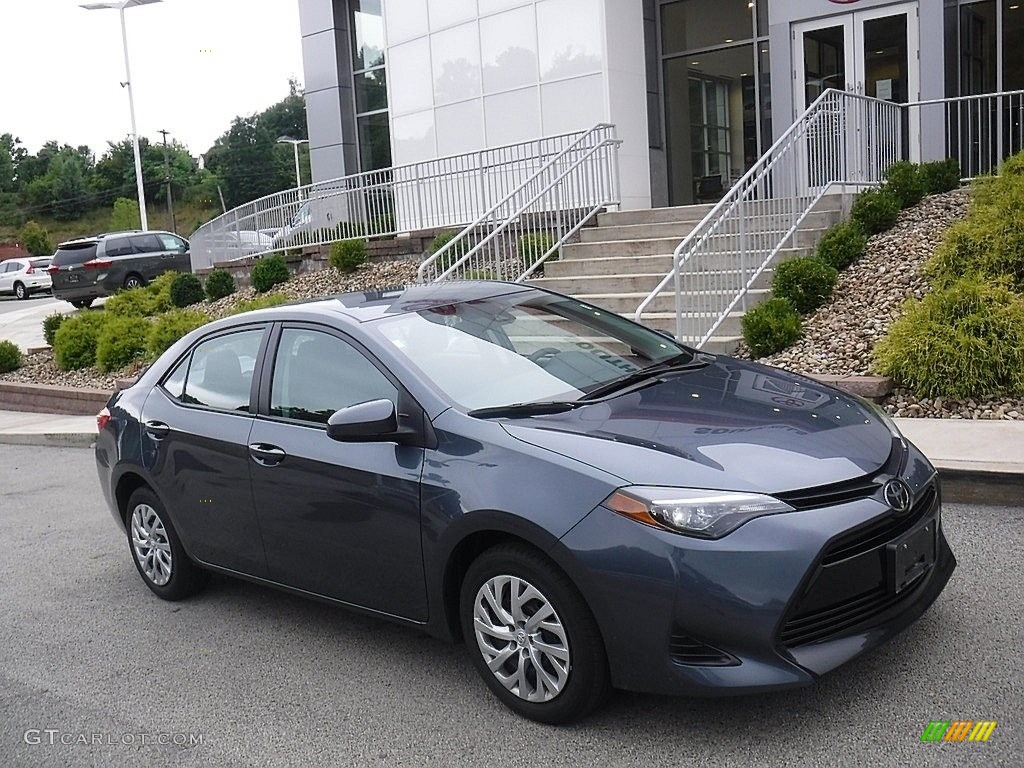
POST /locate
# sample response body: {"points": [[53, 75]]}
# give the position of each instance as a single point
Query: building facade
{"points": [[697, 89]]}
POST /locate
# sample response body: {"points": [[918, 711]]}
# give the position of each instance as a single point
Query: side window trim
{"points": [[254, 387]]}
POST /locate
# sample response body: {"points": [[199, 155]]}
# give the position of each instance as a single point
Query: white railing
{"points": [[841, 138], [446, 192], [513, 238]]}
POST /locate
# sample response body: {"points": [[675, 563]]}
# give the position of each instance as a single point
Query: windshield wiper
{"points": [[678, 364], [541, 408]]}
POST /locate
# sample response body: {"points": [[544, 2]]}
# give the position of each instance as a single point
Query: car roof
{"points": [[83, 241]]}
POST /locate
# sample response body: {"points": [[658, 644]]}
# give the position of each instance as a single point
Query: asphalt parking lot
{"points": [[265, 678]]}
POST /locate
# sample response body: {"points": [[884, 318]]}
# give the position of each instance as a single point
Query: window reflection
{"points": [[368, 28]]}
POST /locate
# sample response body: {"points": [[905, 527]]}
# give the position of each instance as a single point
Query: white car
{"points": [[23, 277]]}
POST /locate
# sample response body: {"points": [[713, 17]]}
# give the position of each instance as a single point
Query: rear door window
{"points": [[118, 246], [218, 373], [74, 254], [146, 244]]}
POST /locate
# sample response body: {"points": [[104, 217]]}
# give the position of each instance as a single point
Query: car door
{"points": [[149, 257], [196, 426], [176, 252], [7, 270], [339, 519]]}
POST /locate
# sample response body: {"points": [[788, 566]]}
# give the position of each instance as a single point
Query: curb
{"points": [[51, 440], [976, 486]]}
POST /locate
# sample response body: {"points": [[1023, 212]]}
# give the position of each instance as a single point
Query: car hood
{"points": [[730, 425]]}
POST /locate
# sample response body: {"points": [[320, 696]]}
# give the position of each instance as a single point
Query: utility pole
{"points": [[167, 178]]}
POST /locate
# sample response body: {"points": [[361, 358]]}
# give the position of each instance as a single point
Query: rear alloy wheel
{"points": [[133, 281], [157, 551], [20, 291], [531, 636]]}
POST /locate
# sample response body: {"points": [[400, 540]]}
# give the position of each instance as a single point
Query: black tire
{"points": [[587, 684], [133, 281], [186, 578], [21, 291], [81, 303]]}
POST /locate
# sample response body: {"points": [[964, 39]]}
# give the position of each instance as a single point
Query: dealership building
{"points": [[697, 89]]}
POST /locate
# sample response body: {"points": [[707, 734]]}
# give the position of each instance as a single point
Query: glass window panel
{"points": [[220, 375], [512, 116], [1013, 50], [766, 98], [412, 91], [371, 91], [456, 61], [689, 24], [374, 142], [368, 28], [572, 105], [413, 138], [569, 36], [460, 127], [978, 48], [885, 58], [509, 45]]}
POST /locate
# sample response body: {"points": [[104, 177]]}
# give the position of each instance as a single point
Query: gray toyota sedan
{"points": [[583, 502]]}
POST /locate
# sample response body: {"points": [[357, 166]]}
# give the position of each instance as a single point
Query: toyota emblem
{"points": [[897, 495]]}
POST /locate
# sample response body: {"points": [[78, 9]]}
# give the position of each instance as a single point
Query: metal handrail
{"points": [[603, 134]]}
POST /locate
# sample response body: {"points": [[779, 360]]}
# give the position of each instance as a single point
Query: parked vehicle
{"points": [[582, 500], [23, 277], [86, 269]]}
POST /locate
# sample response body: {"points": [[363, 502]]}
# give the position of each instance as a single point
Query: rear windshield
{"points": [[74, 254], [41, 263]]}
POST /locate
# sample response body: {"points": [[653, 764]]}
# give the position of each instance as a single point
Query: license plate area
{"points": [[74, 278], [912, 555]]}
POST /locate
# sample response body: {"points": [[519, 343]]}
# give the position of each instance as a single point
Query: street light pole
{"points": [[295, 146], [140, 186]]}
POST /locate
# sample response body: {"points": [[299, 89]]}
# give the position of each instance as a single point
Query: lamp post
{"points": [[120, 6], [295, 146]]}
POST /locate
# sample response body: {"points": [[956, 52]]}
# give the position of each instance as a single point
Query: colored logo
{"points": [[897, 495], [958, 730]]}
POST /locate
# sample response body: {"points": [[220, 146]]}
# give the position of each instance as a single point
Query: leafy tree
{"points": [[36, 239], [12, 154], [69, 185], [126, 215]]}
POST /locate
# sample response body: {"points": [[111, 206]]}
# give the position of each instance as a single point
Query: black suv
{"points": [[86, 269]]}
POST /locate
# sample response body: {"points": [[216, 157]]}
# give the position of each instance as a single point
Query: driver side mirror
{"points": [[374, 421]]}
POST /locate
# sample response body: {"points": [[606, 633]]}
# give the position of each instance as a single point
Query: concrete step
{"points": [[635, 282], [684, 213], [626, 303], [802, 238], [609, 233], [657, 264]]}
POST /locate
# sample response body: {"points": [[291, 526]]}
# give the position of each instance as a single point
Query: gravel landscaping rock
{"points": [[839, 337]]}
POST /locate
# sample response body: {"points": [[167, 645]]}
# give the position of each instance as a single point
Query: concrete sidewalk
{"points": [[46, 429]]}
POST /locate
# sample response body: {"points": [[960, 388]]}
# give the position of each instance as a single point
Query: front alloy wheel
{"points": [[531, 635]]}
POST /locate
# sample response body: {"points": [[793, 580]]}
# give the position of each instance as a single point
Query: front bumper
{"points": [[681, 615]]}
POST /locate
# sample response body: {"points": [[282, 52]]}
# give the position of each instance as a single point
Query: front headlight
{"points": [[706, 514]]}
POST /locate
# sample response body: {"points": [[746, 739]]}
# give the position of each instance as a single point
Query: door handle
{"points": [[266, 455], [157, 430]]}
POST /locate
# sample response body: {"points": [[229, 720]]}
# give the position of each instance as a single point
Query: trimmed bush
{"points": [[138, 302], [963, 341], [876, 210], [260, 302], [186, 290], [842, 245], [532, 246], [770, 327], [219, 284], [51, 324], [74, 343], [268, 272], [348, 255], [940, 176], [441, 239], [806, 283], [121, 340], [35, 239], [10, 356], [170, 327], [904, 180]]}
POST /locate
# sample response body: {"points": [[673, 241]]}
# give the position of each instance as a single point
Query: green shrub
{"points": [[441, 239], [121, 340], [219, 284], [138, 302], [10, 356], [186, 290], [170, 327], [125, 215], [904, 180], [842, 245], [161, 287], [35, 239], [963, 341], [51, 324], [806, 283], [348, 255], [532, 246], [268, 272], [876, 210], [771, 327], [74, 343], [260, 302], [940, 176]]}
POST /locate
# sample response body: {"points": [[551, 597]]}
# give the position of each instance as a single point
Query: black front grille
{"points": [[850, 586], [685, 650]]}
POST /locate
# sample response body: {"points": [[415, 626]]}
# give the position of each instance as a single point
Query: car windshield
{"points": [[74, 253], [40, 263], [524, 349]]}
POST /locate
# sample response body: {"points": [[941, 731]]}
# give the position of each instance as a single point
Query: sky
{"points": [[195, 65]]}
